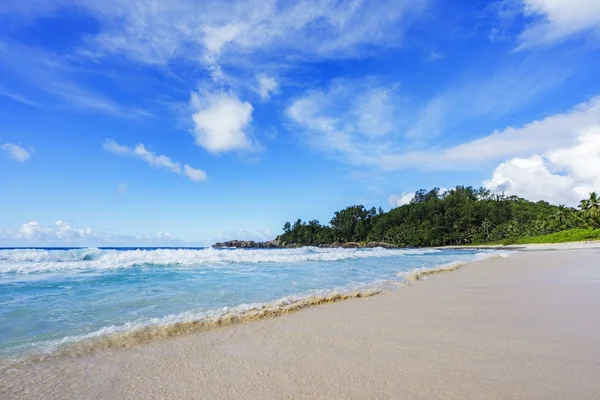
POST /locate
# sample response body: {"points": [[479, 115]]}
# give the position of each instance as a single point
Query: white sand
{"points": [[523, 327]]}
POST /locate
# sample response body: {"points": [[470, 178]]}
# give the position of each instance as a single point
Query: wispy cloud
{"points": [[16, 152], [155, 160], [350, 121], [491, 95], [243, 33], [159, 32], [56, 83], [556, 131], [267, 85], [370, 122], [553, 21], [17, 97]]}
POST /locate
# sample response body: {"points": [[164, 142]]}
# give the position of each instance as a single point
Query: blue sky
{"points": [[182, 122]]}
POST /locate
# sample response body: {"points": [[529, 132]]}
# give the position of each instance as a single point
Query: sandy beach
{"points": [[522, 327]]}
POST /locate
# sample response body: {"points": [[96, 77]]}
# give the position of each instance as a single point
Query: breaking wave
{"points": [[39, 260]]}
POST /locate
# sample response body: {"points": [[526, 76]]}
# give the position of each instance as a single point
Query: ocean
{"points": [[52, 299]]}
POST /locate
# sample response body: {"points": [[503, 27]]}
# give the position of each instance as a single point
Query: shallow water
{"points": [[53, 297]]}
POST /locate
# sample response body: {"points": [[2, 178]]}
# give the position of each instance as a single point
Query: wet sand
{"points": [[523, 327]]}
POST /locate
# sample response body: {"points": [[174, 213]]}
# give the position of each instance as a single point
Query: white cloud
{"points": [[17, 97], [54, 75], [60, 230], [114, 147], [375, 112], [217, 37], [155, 160], [556, 131], [122, 188], [366, 122], [499, 93], [194, 174], [564, 175], [165, 236], [157, 32], [267, 85], [395, 200], [352, 121], [29, 229], [556, 20], [62, 233], [16, 152], [221, 122]]}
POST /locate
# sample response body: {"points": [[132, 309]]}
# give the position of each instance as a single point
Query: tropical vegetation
{"points": [[460, 216]]}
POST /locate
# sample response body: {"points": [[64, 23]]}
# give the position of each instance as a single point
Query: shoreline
{"points": [[115, 337], [209, 359]]}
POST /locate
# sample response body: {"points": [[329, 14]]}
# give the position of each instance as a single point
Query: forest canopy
{"points": [[463, 215]]}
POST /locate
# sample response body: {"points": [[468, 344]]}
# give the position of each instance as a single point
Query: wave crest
{"points": [[38, 260]]}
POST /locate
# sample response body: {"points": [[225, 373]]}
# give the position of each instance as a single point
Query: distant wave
{"points": [[26, 261]]}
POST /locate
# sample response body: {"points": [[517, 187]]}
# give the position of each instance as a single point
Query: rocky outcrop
{"points": [[278, 244], [248, 244], [380, 244]]}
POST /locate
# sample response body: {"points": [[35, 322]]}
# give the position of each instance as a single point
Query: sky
{"points": [[145, 123]]}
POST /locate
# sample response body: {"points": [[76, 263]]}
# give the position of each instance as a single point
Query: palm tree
{"points": [[591, 209], [561, 216], [486, 225]]}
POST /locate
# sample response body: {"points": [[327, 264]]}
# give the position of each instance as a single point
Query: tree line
{"points": [[463, 215]]}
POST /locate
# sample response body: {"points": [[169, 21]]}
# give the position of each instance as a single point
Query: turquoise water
{"points": [[53, 297]]}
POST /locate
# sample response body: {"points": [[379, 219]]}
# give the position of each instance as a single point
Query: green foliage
{"points": [[463, 215], [569, 235]]}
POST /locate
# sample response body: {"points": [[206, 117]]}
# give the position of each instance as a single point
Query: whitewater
{"points": [[51, 299]]}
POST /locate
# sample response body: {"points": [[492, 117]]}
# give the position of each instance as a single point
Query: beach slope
{"points": [[523, 327]]}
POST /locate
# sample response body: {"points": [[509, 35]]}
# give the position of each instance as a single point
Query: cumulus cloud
{"points": [[63, 233], [397, 200], [155, 160], [556, 20], [563, 176], [60, 230], [16, 152], [221, 122]]}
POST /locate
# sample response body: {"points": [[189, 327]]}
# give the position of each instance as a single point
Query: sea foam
{"points": [[38, 260]]}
